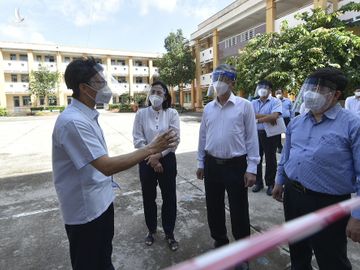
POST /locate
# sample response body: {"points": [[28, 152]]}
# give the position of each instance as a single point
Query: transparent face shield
{"points": [[219, 77], [317, 94], [262, 90]]}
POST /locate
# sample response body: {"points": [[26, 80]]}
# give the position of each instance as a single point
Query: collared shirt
{"points": [[149, 123], [229, 131], [84, 192], [269, 106], [353, 104], [324, 156], [286, 107]]}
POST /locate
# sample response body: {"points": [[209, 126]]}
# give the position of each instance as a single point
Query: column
{"points": [[197, 76], [131, 79], [181, 94], [270, 15], [215, 48], [30, 57], [151, 72], [2, 82], [61, 92], [320, 4], [109, 74], [172, 94]]}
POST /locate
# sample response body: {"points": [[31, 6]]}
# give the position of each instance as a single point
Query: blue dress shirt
{"points": [[286, 107], [270, 106], [323, 156]]}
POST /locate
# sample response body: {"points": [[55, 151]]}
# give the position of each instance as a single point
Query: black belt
{"points": [[300, 188], [226, 161]]}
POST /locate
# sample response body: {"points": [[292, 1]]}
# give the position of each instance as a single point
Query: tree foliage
{"points": [[177, 66], [288, 57], [43, 83]]}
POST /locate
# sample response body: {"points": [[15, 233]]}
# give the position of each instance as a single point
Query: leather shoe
{"points": [[269, 190], [221, 243], [257, 188]]}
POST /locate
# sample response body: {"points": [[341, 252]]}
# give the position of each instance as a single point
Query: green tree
{"points": [[43, 83], [177, 66], [288, 57]]}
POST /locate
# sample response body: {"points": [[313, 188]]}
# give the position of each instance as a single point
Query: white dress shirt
{"points": [[229, 131], [149, 123], [353, 104], [84, 192]]}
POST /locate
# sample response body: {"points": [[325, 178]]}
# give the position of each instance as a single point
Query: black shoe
{"points": [[218, 243], [257, 188], [269, 190], [172, 243], [149, 239], [242, 266]]}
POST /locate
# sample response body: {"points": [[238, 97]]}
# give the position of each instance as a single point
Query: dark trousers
{"points": [[230, 177], [91, 243], [167, 182], [267, 146], [286, 120], [329, 245]]}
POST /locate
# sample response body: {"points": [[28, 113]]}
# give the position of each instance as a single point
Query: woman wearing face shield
{"points": [[320, 166], [158, 169]]}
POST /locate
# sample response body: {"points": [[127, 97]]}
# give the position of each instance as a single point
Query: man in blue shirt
{"points": [[319, 166], [267, 110], [82, 169], [286, 112]]}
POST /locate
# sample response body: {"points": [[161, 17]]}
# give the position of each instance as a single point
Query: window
{"points": [[42, 101], [12, 56], [38, 58], [67, 59], [121, 79], [187, 98], [138, 63], [139, 80], [23, 57], [121, 62], [49, 58], [24, 78], [113, 62], [227, 43], [69, 98], [13, 77], [16, 101], [52, 101], [26, 100]]}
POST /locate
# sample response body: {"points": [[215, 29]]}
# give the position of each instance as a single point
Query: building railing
{"points": [[15, 66], [207, 55], [51, 66], [205, 79], [140, 71], [16, 87]]}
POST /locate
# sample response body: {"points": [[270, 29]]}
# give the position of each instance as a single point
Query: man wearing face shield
{"points": [[160, 168], [267, 110], [82, 169], [286, 112], [353, 103], [320, 166], [227, 157]]}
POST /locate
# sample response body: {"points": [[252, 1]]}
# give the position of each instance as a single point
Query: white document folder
{"points": [[276, 129]]}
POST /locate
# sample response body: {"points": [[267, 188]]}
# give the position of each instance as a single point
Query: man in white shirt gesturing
{"points": [[228, 154]]}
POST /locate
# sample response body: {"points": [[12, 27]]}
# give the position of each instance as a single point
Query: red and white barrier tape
{"points": [[248, 248]]}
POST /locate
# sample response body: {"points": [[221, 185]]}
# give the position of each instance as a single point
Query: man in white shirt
{"points": [[228, 154], [82, 169], [352, 103]]}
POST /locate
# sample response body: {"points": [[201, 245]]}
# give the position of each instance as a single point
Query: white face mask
{"points": [[316, 102], [262, 92], [278, 96], [357, 94], [156, 101], [103, 95], [221, 88]]}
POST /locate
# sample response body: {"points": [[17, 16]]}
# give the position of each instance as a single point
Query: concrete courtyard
{"points": [[32, 234]]}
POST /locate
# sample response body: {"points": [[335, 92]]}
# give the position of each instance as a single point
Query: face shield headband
{"points": [[313, 87], [220, 75]]}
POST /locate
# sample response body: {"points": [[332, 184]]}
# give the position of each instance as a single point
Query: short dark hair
{"points": [[166, 103], [331, 74], [79, 71], [266, 82]]}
